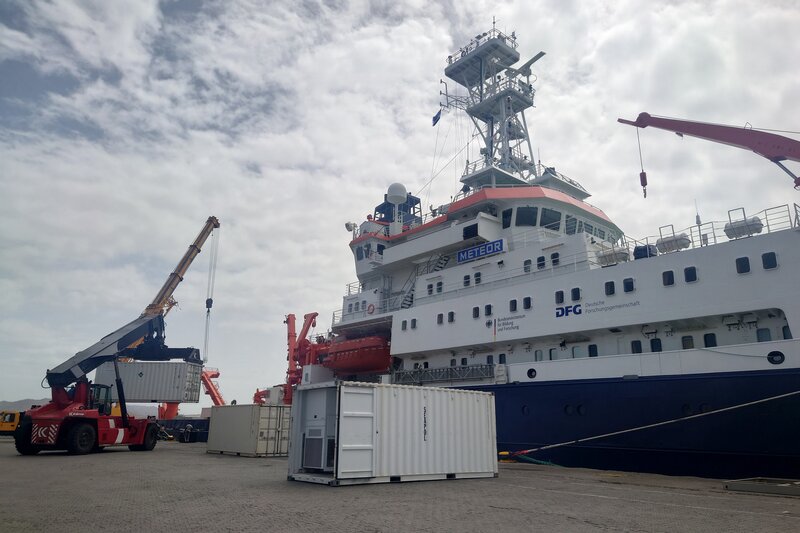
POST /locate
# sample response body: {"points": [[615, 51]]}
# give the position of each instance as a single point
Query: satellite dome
{"points": [[397, 194]]}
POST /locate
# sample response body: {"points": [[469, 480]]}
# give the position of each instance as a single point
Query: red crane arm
{"points": [[211, 388], [769, 145]]}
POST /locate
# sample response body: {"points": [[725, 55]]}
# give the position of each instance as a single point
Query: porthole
{"points": [[775, 357], [581, 410], [532, 372], [526, 411]]}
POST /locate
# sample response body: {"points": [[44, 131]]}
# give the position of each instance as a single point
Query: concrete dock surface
{"points": [[179, 487]]}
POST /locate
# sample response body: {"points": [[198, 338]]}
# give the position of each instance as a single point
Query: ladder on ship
{"points": [[411, 283]]}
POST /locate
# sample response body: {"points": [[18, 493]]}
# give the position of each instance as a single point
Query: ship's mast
{"points": [[497, 97]]}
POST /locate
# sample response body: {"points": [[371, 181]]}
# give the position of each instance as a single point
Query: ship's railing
{"points": [[514, 84], [738, 226], [478, 40], [452, 373]]}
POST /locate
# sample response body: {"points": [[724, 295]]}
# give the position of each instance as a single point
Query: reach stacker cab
{"points": [[78, 418]]}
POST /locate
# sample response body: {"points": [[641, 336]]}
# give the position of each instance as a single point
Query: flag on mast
{"points": [[437, 116]]}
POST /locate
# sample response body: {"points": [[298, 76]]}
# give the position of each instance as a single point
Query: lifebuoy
{"points": [[370, 309]]}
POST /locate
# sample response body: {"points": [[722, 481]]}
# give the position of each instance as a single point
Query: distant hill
{"points": [[21, 405]]}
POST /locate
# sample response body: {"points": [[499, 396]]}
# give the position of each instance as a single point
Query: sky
{"points": [[124, 125]]}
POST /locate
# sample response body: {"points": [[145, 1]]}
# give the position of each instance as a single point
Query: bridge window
{"points": [[551, 219], [540, 262], [588, 228], [538, 355], [710, 340], [512, 305], [477, 278], [690, 274], [526, 265], [452, 362], [404, 325], [769, 260], [430, 289], [600, 233], [439, 286], [526, 216], [577, 351], [553, 354], [470, 231], [507, 218], [763, 335], [463, 361], [476, 312], [559, 297], [501, 358], [381, 248], [526, 302], [668, 278], [554, 258], [451, 316], [489, 359], [655, 345], [570, 224], [592, 350], [356, 307], [610, 289], [627, 284], [487, 309], [440, 318], [787, 333], [687, 342], [359, 253], [467, 279], [350, 307], [575, 294], [413, 323], [636, 346]]}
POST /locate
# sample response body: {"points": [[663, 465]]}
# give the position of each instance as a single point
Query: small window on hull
{"points": [[710, 340], [610, 289], [636, 346]]}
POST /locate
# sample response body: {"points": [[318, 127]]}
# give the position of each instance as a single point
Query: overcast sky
{"points": [[124, 125]]}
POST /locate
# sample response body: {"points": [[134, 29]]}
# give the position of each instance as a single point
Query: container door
{"points": [[356, 432]]}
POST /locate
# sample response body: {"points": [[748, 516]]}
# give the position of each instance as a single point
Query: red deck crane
{"points": [[774, 147]]}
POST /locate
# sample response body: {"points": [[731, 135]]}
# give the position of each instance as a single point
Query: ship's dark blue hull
{"points": [[762, 439]]}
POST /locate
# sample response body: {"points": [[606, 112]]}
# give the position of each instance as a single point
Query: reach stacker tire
{"points": [[150, 438], [22, 438], [81, 439]]}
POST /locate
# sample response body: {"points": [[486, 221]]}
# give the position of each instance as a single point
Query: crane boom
{"points": [[163, 301], [775, 148]]}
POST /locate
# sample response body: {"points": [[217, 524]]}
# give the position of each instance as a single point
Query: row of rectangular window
{"points": [[550, 219], [351, 307], [501, 359], [541, 262], [538, 355], [769, 260]]}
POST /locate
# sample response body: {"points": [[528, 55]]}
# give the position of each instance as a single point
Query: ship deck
{"points": [[179, 487]]}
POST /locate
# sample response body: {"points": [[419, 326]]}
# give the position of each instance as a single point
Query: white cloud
{"points": [[286, 119]]}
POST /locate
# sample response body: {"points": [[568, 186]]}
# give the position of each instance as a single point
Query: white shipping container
{"points": [[250, 430], [350, 433], [154, 381]]}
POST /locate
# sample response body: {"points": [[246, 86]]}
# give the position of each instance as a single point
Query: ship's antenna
{"points": [[697, 213]]}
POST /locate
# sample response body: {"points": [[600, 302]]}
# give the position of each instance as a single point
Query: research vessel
{"points": [[672, 353]]}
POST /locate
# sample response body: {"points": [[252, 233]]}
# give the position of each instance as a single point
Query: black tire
{"points": [[81, 439], [22, 438], [150, 439]]}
